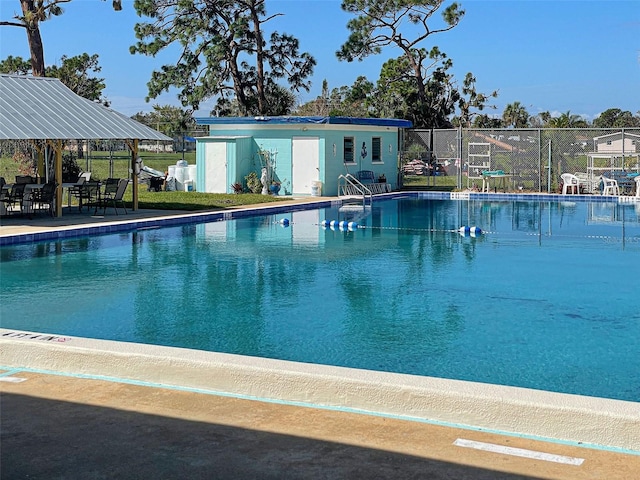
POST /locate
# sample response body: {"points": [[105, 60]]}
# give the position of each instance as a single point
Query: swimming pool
{"points": [[545, 299]]}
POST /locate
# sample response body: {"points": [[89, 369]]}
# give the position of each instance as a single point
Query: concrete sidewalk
{"points": [[62, 427]]}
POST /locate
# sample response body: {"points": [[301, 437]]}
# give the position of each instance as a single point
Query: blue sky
{"points": [[581, 56]]}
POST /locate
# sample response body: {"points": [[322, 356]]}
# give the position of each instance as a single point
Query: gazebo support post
{"points": [[58, 176], [133, 145]]}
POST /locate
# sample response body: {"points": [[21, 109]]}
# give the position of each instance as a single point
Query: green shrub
{"points": [[253, 183]]}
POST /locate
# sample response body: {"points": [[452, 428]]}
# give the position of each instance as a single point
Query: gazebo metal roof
{"points": [[38, 108]]}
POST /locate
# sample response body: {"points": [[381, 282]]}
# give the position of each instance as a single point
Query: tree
{"points": [[470, 98], [217, 41], [398, 96], [540, 120], [34, 12], [170, 120], [380, 24], [484, 121], [354, 101], [515, 115], [567, 120], [15, 66], [75, 73], [616, 118], [319, 106]]}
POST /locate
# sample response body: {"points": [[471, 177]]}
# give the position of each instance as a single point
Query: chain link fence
{"points": [[531, 159]]}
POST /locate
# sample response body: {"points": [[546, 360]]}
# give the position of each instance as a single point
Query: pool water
{"points": [[547, 298]]}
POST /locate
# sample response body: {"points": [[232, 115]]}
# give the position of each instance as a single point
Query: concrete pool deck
{"points": [[268, 419]]}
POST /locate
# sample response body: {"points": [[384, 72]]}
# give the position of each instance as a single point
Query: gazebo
{"points": [[47, 113]]}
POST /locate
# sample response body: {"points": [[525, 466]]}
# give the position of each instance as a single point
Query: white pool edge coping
{"points": [[581, 420]]}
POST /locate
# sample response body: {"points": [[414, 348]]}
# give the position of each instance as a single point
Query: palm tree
{"points": [[566, 120], [515, 115]]}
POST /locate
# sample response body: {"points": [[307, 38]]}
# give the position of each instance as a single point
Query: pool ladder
{"points": [[350, 188]]}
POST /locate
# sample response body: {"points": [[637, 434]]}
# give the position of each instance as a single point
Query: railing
{"points": [[350, 187]]}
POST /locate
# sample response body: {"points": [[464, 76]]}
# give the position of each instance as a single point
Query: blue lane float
{"points": [[284, 222], [466, 231], [339, 225]]}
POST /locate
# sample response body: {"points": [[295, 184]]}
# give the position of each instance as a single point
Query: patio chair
{"points": [[88, 193], [45, 197], [74, 191], [366, 176], [112, 196], [13, 197], [570, 183], [609, 186]]}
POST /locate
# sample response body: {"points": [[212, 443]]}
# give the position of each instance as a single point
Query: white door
{"points": [[215, 175], [306, 164]]}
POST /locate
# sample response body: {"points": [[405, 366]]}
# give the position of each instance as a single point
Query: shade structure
{"points": [[45, 110], [38, 108]]}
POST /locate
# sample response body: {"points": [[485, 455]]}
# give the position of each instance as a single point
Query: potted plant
{"points": [[382, 178], [275, 187], [237, 187]]}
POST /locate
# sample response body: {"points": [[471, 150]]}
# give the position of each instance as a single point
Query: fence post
{"points": [[549, 169]]}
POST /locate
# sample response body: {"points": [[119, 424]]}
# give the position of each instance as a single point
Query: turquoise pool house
{"points": [[296, 155]]}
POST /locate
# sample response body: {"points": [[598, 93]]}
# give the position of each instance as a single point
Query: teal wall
{"points": [[278, 141]]}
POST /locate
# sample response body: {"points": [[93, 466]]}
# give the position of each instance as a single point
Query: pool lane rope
{"points": [[465, 230]]}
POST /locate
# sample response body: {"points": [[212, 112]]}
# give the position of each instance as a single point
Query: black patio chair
{"points": [[87, 194], [45, 197], [13, 197], [112, 196]]}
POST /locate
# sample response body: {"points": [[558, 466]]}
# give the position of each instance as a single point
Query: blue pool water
{"points": [[548, 298]]}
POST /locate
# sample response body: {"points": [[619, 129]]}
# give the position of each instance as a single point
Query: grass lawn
{"points": [[423, 181], [197, 200]]}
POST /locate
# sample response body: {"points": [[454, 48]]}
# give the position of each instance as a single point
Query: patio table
{"points": [[497, 176]]}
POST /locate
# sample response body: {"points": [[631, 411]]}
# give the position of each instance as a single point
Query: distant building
{"points": [[617, 143]]}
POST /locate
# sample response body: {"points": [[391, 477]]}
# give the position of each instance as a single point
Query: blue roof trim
{"points": [[378, 122]]}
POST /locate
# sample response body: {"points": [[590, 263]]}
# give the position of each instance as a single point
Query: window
{"points": [[348, 150], [376, 150]]}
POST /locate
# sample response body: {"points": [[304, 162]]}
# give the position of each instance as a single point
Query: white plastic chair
{"points": [[609, 186], [570, 182], [637, 180]]}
